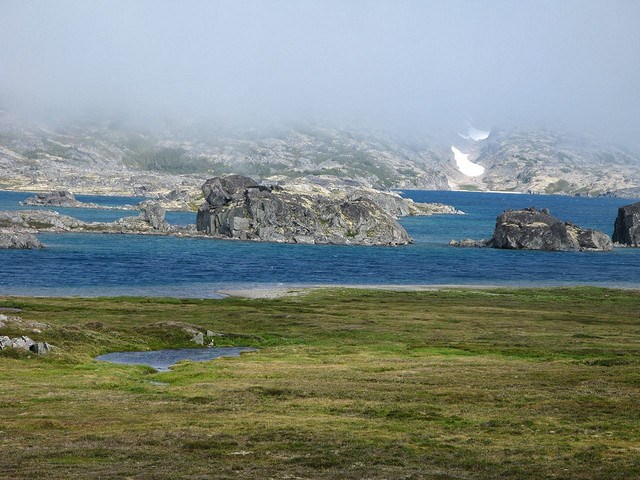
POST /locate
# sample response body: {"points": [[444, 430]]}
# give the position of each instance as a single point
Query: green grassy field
{"points": [[522, 384]]}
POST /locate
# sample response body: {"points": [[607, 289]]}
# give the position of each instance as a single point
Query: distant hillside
{"points": [[115, 158]]}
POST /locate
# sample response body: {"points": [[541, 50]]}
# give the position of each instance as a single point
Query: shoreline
{"points": [[283, 291]]}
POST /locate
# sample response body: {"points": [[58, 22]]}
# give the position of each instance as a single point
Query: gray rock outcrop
{"points": [[532, 229], [38, 220], [237, 207], [61, 198], [627, 225], [19, 240], [153, 213], [25, 343], [151, 217]]}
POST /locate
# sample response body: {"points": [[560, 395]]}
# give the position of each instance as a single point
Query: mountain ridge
{"points": [[116, 158]]}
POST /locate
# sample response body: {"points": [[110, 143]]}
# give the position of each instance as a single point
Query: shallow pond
{"points": [[162, 360]]}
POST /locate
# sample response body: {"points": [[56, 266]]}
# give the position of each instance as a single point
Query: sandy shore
{"points": [[288, 291]]}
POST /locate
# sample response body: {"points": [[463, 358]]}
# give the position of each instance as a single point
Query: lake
{"points": [[100, 264]]}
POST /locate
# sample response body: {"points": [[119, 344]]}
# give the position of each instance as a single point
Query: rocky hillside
{"points": [[549, 162], [174, 160]]}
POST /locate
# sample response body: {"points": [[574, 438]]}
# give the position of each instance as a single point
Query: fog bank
{"points": [[426, 65]]}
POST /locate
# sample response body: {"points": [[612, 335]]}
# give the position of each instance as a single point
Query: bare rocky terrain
{"points": [[170, 162]]}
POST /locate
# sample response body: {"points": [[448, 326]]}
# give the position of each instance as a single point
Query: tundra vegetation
{"points": [[474, 384]]}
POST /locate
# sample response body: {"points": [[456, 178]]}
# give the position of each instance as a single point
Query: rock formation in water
{"points": [[18, 240], [151, 220], [627, 225], [151, 217], [237, 207], [54, 199], [532, 229]]}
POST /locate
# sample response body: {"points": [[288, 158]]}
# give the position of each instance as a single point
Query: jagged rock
{"points": [[153, 213], [22, 343], [219, 191], [237, 207], [61, 198], [530, 229], [627, 225], [19, 240], [25, 343], [151, 217]]}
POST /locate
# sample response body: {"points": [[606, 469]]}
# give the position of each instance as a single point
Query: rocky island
{"points": [[238, 207], [627, 226], [314, 211], [18, 240], [61, 198], [532, 229]]}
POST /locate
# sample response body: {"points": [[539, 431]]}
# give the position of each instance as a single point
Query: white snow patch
{"points": [[475, 134], [467, 167]]}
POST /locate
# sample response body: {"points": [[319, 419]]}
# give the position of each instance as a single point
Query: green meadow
{"points": [[448, 384]]}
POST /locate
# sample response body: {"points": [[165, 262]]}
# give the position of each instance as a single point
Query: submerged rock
{"points": [[468, 242], [627, 225], [237, 207], [532, 229]]}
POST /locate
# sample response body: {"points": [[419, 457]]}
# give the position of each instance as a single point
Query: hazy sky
{"points": [[424, 63]]}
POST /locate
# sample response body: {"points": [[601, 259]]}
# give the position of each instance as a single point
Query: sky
{"points": [[428, 65]]}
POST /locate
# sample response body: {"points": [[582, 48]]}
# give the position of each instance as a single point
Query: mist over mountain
{"points": [[402, 65], [152, 96]]}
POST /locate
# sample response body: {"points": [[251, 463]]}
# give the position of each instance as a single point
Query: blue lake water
{"points": [[99, 264], [162, 360]]}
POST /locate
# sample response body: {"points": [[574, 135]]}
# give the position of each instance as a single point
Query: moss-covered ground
{"points": [[509, 384]]}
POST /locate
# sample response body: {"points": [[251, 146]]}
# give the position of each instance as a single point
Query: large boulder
{"points": [[532, 229], [153, 213], [150, 219], [627, 226], [219, 191], [19, 240], [237, 207], [26, 344]]}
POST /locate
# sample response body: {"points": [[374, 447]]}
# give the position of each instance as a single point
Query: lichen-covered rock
{"points": [[237, 207], [532, 229], [627, 225], [19, 240]]}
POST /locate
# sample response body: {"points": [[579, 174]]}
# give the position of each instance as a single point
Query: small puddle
{"points": [[162, 360]]}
